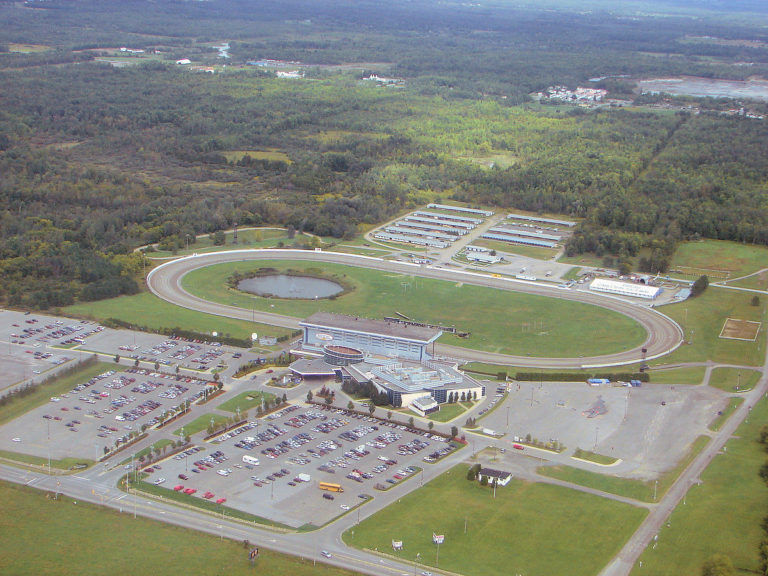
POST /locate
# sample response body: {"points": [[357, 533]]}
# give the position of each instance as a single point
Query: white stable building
{"points": [[625, 288]]}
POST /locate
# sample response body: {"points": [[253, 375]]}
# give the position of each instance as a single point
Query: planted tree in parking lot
{"points": [[389, 414], [309, 396], [431, 425], [350, 405], [371, 408], [410, 421]]}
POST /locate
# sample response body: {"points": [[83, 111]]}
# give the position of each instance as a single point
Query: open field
{"points": [[702, 320], [758, 282], [583, 260], [713, 257], [734, 379], [148, 311], [472, 309], [246, 401], [41, 395], [721, 515], [630, 488], [581, 532], [44, 536], [447, 412]]}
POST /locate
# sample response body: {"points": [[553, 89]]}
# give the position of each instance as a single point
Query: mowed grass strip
{"points": [[149, 311], [43, 536], [499, 321], [201, 423], [722, 515], [722, 418], [42, 393], [685, 375], [527, 529]]}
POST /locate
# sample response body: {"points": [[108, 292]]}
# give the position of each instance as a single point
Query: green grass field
{"points": [[545, 529], [757, 282], [713, 257], [42, 393], [703, 317], [629, 488], [722, 515], [685, 375], [734, 379], [594, 457], [42, 536], [447, 412], [246, 401], [469, 308], [147, 310]]}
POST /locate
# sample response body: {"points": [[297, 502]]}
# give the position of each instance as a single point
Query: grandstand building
{"points": [[394, 357]]}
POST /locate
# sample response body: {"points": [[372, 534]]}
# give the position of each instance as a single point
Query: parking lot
{"points": [[97, 412], [272, 467]]}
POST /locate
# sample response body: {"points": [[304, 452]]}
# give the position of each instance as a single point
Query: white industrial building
{"points": [[518, 240], [421, 233], [625, 288], [526, 234], [482, 257], [433, 221], [485, 213], [449, 217], [411, 240]]}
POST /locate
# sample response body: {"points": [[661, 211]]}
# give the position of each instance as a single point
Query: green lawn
{"points": [[527, 529], [471, 308], [684, 375], [712, 257], [201, 423], [147, 310], [702, 319], [722, 515], [42, 393], [734, 379], [246, 401], [447, 412], [42, 536], [637, 489], [717, 423]]}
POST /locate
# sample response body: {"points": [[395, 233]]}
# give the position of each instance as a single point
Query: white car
{"points": [[17, 439], [326, 554], [222, 472], [344, 507], [159, 481]]}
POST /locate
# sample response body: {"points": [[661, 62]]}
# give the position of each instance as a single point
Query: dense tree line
{"points": [[96, 160]]}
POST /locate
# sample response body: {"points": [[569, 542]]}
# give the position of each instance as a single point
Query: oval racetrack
{"points": [[664, 334]]}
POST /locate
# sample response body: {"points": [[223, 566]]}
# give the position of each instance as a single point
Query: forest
{"points": [[103, 152]]}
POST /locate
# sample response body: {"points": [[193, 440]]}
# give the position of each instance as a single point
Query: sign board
{"points": [[323, 336], [438, 538]]}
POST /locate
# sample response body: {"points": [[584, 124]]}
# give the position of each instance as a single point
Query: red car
{"points": [[517, 447], [221, 501]]}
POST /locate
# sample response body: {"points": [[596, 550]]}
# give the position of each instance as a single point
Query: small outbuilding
{"points": [[501, 477]]}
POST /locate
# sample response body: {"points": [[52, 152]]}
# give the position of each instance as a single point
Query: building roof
{"points": [[369, 326], [313, 367], [625, 288], [500, 474]]}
